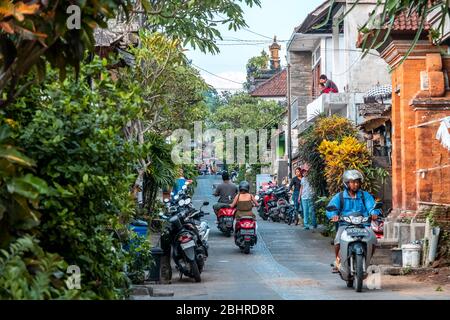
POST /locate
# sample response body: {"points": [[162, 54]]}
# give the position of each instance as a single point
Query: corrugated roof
{"points": [[274, 87], [317, 17]]}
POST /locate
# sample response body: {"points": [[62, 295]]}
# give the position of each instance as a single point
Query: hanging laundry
{"points": [[442, 134]]}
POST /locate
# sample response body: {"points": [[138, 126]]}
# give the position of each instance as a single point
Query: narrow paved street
{"points": [[287, 263]]}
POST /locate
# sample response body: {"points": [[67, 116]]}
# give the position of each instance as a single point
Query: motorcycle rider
{"points": [[244, 202], [352, 199], [226, 192]]}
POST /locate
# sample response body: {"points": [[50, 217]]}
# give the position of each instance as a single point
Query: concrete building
{"points": [[331, 50], [320, 46]]}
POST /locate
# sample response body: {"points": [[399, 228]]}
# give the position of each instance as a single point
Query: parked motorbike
{"points": [[356, 247], [267, 204], [188, 240], [280, 211], [378, 227], [245, 235]]}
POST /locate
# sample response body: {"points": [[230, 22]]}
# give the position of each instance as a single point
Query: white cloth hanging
{"points": [[442, 134]]}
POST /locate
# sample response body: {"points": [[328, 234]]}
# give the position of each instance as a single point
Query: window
{"points": [[316, 57]]}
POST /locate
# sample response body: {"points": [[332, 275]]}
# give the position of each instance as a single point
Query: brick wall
{"points": [[301, 80], [417, 148]]}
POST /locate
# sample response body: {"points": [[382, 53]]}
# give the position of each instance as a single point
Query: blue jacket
{"points": [[351, 205]]}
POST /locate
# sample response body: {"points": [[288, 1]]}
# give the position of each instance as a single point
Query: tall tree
{"points": [[254, 67]]}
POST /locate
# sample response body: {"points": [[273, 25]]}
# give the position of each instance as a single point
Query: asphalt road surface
{"points": [[287, 263]]}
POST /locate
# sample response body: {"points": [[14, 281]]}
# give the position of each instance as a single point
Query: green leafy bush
{"points": [[74, 134]]}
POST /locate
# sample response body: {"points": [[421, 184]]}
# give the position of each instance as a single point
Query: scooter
{"points": [[356, 247], [189, 250], [267, 205], [225, 218], [245, 234]]}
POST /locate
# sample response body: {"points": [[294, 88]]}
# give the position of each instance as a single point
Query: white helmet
{"points": [[351, 175]]}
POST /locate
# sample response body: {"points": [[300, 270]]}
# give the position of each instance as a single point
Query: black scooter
{"points": [[182, 236]]}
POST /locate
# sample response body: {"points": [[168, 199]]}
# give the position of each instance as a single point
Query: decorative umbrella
{"points": [[378, 92]]}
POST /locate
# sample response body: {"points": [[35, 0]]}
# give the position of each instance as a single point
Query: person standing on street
{"points": [[296, 183], [307, 201]]}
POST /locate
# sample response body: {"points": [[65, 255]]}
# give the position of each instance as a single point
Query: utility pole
{"points": [[289, 121]]}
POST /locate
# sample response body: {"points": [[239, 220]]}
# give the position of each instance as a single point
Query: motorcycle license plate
{"points": [[247, 231], [187, 245], [357, 232]]}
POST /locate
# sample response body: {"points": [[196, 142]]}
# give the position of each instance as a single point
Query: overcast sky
{"points": [[275, 17]]}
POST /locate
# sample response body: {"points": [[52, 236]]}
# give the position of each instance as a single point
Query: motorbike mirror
{"points": [[172, 193], [206, 203], [256, 198], [166, 200], [184, 187], [331, 208]]}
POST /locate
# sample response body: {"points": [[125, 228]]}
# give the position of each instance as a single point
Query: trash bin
{"points": [[155, 268], [411, 255]]}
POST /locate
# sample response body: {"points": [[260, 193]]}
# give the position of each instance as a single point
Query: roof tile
{"points": [[276, 86]]}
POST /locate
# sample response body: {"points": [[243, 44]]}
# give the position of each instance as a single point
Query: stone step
{"points": [[382, 256], [387, 243]]}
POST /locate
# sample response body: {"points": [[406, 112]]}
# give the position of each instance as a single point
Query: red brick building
{"points": [[420, 102]]}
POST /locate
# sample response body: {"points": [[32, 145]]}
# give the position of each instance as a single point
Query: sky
{"points": [[273, 18]]}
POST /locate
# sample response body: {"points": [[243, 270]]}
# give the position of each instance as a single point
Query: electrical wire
{"points": [[215, 75]]}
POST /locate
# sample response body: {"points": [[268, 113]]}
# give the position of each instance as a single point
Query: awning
{"points": [[378, 92]]}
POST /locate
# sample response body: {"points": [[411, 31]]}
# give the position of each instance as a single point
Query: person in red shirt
{"points": [[328, 84], [324, 89]]}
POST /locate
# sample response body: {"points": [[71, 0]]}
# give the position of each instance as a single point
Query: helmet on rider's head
{"points": [[351, 175], [244, 186]]}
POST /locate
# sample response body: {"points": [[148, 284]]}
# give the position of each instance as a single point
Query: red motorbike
{"points": [[245, 234], [378, 227], [225, 217], [267, 201]]}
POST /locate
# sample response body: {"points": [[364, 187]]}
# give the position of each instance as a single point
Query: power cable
{"points": [[215, 75]]}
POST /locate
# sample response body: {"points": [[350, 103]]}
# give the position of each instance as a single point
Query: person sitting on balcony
{"points": [[323, 89], [329, 84]]}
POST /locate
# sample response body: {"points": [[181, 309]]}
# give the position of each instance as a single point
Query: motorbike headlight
{"points": [[187, 201], [181, 203], [357, 219]]}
